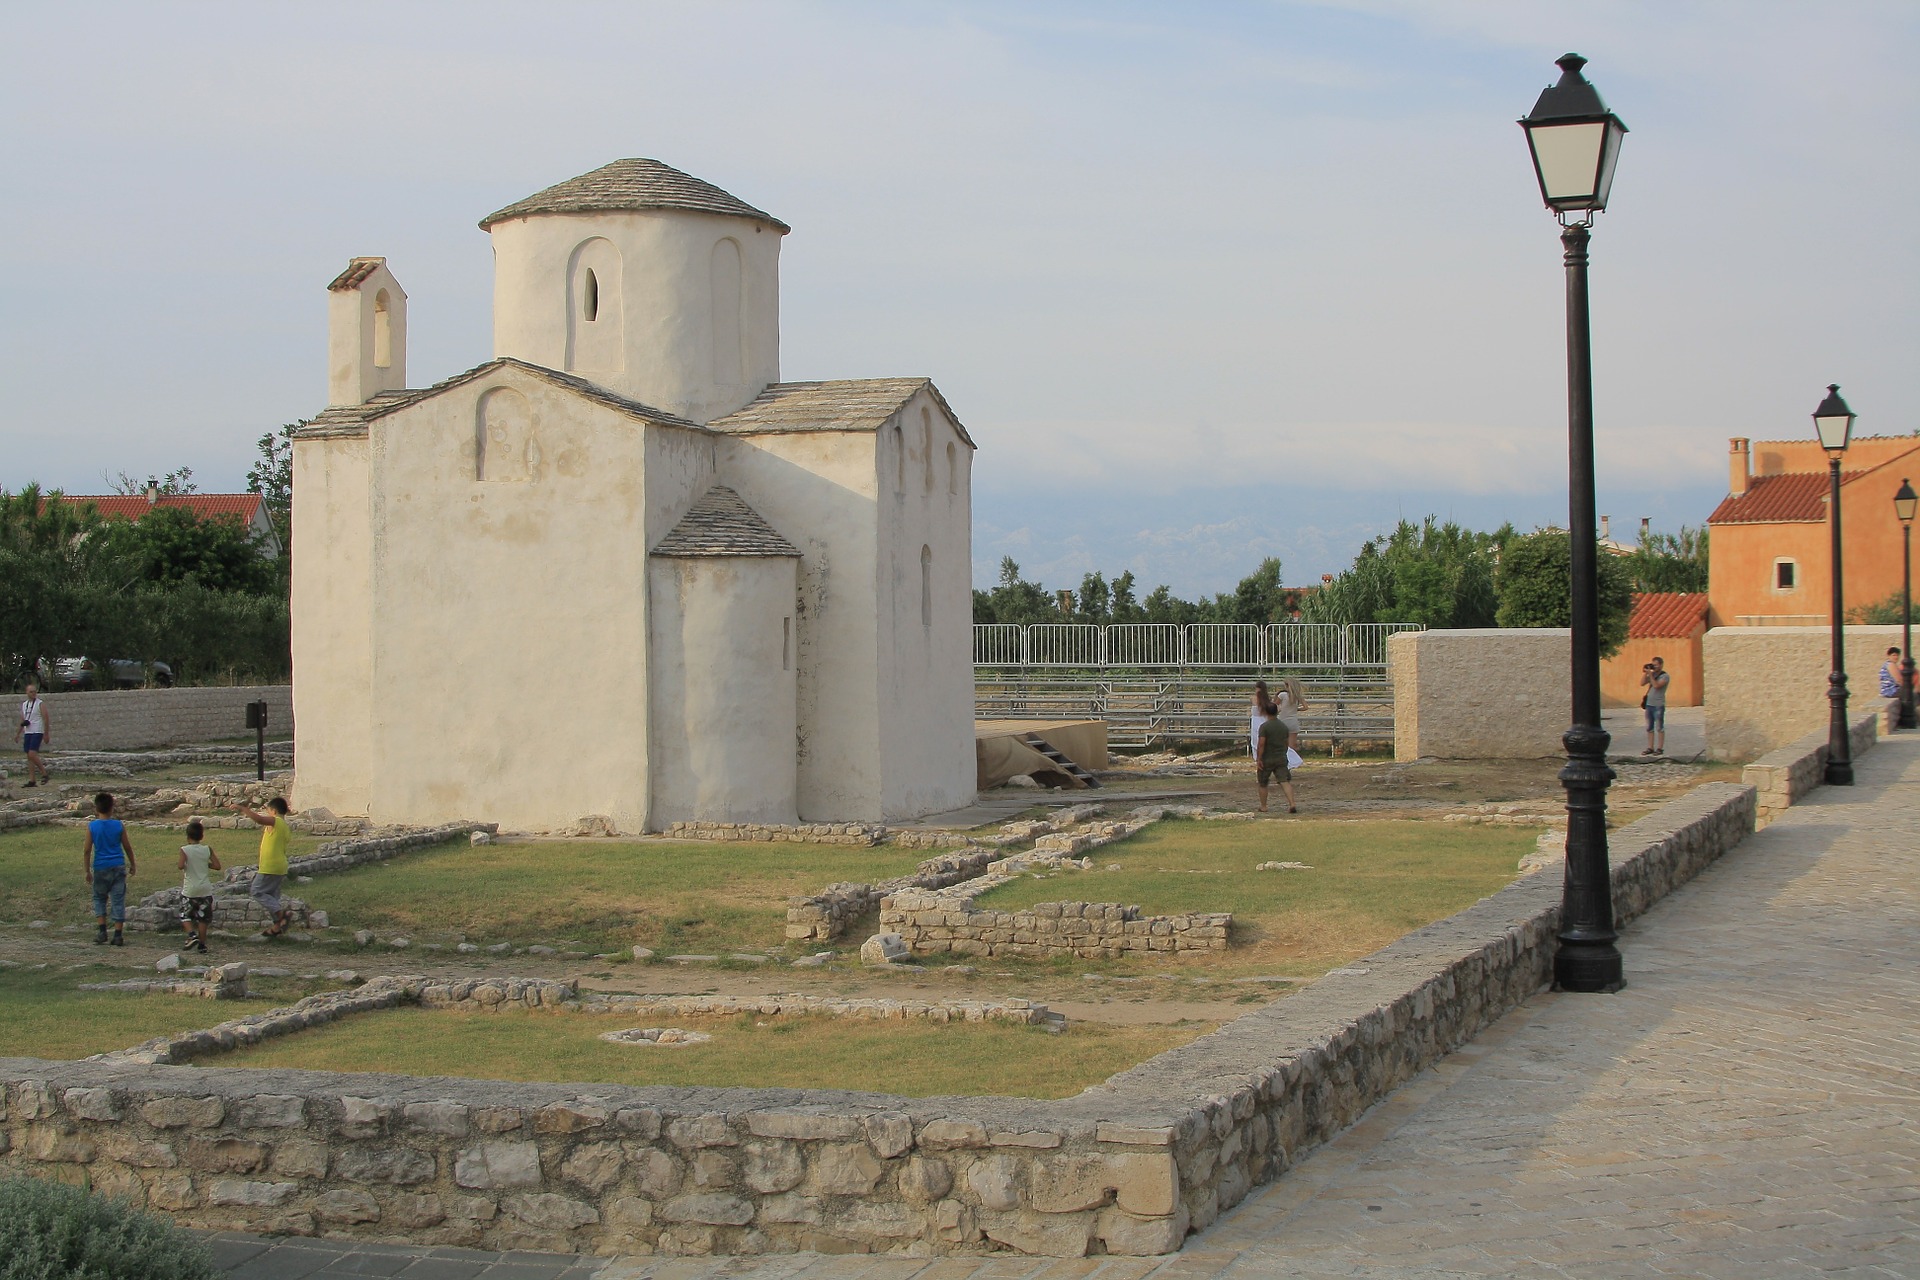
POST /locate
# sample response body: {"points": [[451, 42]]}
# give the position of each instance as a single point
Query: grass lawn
{"points": [[699, 896], [43, 1016], [915, 1059], [40, 873], [1371, 883]]}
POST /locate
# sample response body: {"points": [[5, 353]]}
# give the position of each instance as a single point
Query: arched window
{"points": [[926, 449], [899, 459], [382, 330], [503, 443], [953, 470], [594, 318], [926, 586], [725, 279]]}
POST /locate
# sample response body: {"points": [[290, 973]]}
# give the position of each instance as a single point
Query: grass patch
{"points": [[43, 1016], [698, 896], [911, 1058], [40, 872], [1371, 882]]}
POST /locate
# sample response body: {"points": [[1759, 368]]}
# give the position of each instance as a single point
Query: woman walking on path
{"points": [[272, 872], [1288, 706], [196, 860], [33, 733]]}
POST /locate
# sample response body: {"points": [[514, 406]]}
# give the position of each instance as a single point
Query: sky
{"points": [[1206, 283]]}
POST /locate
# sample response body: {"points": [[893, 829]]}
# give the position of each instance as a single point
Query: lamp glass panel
{"points": [[1904, 503], [1569, 159], [1833, 431], [1608, 158]]}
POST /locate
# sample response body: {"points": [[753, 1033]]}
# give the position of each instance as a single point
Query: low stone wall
{"points": [[1782, 778], [219, 982], [1766, 687], [233, 911], [1479, 694], [933, 924], [826, 915], [1128, 1167], [123, 720], [855, 833]]}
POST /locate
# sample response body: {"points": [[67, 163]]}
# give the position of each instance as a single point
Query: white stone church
{"points": [[622, 569]]}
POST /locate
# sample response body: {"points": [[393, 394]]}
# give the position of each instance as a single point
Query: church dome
{"points": [[628, 186]]}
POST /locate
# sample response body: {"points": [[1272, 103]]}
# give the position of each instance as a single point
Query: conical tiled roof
{"points": [[721, 524], [633, 184]]}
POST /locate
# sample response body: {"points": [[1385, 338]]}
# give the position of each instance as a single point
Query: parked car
{"points": [[126, 673]]}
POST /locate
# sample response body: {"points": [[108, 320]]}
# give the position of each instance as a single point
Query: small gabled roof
{"points": [[849, 404], [628, 185], [722, 524], [358, 269], [1794, 497], [1666, 615], [352, 419]]}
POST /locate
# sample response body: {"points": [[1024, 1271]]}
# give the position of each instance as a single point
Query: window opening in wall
{"points": [[926, 586], [900, 458], [953, 471], [382, 331], [1785, 574], [926, 447], [786, 644], [590, 296]]}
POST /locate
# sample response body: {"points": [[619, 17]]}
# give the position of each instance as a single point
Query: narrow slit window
{"points": [[953, 471], [926, 586], [590, 297], [786, 644], [382, 331]]}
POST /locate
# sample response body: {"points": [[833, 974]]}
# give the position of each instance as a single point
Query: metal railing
{"points": [[1156, 683], [1232, 646]]}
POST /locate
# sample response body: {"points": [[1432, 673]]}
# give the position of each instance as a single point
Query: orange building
{"points": [[1667, 625], [1771, 554]]}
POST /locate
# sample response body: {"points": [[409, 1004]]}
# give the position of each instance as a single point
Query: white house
{"points": [[621, 568]]}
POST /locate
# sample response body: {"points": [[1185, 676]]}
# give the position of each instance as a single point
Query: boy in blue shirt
{"points": [[107, 858]]}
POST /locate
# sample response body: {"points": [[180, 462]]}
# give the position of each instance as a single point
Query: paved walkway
{"points": [[1748, 1106]]}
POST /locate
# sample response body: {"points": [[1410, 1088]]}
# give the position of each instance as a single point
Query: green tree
{"points": [[1670, 562], [1014, 599], [172, 545], [1125, 607], [1536, 587], [1882, 613], [1438, 575], [171, 485], [272, 478], [1095, 600]]}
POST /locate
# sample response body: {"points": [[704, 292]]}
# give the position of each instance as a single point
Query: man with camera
{"points": [[1654, 678], [33, 731]]}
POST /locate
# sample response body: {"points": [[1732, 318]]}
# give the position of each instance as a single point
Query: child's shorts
{"points": [[198, 911]]}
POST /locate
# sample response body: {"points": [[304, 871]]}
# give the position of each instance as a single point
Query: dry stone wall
{"points": [[854, 833], [1781, 778], [123, 720], [933, 924], [826, 915]]}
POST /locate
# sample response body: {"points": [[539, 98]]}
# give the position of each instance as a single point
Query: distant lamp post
{"points": [[1833, 423], [1904, 503], [1575, 143]]}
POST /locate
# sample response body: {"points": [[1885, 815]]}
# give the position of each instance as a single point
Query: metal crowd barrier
{"points": [[1240, 646]]}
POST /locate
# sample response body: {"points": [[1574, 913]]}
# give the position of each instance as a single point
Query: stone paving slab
{"points": [[1748, 1106]]}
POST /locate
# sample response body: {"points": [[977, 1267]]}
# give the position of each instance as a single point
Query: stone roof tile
{"points": [[850, 404], [633, 184], [722, 524], [358, 269]]}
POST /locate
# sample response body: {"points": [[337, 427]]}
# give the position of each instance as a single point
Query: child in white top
{"points": [[196, 860]]}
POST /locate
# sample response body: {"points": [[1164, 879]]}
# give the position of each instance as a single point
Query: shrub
{"points": [[51, 1231]]}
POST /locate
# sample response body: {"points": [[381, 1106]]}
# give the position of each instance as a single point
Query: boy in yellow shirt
{"points": [[272, 871]]}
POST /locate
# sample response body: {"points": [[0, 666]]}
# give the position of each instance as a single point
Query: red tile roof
{"points": [[1664, 615], [1795, 496], [122, 507]]}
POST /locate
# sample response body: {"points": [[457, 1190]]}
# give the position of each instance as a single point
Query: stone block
{"points": [[271, 1111], [344, 1208], [709, 1130], [300, 1160], [365, 1117], [124, 1148], [393, 1166], [653, 1171], [773, 1167], [1051, 1235], [489, 1166], [545, 1211], [91, 1104], [639, 1122], [412, 1212], [570, 1117], [788, 1209], [183, 1113], [842, 1169], [995, 1182], [240, 1193], [172, 1192], [496, 1119], [888, 1133], [594, 1165], [713, 1168], [1124, 1234], [226, 1155], [53, 1144], [446, 1118], [802, 1125], [924, 1180], [950, 1135], [712, 1208]]}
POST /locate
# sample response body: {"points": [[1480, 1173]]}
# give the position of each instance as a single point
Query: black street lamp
{"points": [[1904, 503], [1575, 142], [1833, 423]]}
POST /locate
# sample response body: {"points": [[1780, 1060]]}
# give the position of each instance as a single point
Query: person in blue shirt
{"points": [[107, 858]]}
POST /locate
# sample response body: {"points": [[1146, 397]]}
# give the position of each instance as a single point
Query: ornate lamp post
{"points": [[1833, 422], [1904, 503], [1575, 142]]}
